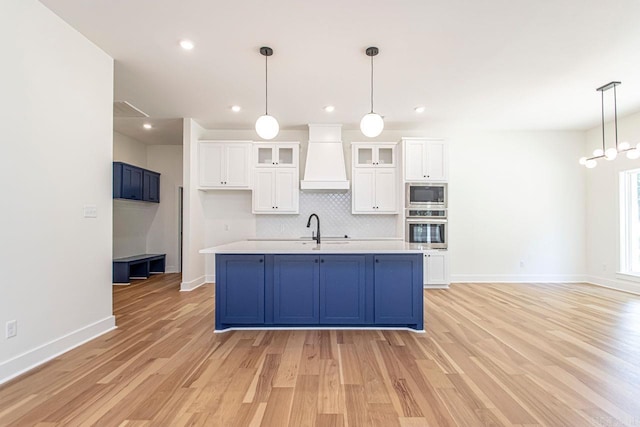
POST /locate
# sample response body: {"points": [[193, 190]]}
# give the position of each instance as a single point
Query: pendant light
{"points": [[371, 124], [612, 152], [266, 126]]}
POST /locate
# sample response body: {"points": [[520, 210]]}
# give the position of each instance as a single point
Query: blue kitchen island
{"points": [[371, 284]]}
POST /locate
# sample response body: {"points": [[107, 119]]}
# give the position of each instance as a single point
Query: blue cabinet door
{"points": [[398, 290], [342, 289], [239, 290], [131, 182], [151, 186], [296, 289]]}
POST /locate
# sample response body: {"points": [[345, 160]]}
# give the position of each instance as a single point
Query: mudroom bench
{"points": [[137, 267]]}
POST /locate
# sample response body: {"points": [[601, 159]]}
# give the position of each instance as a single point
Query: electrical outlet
{"points": [[12, 329], [604, 267], [226, 227], [521, 264]]}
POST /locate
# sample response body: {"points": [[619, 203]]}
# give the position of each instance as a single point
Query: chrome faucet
{"points": [[317, 236]]}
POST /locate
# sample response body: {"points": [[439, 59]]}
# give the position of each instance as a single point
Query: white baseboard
{"points": [[442, 286], [210, 278], [518, 278], [618, 284], [192, 284], [24, 362], [171, 269]]}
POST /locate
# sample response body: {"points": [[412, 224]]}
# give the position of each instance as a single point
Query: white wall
{"points": [[603, 251], [131, 226], [517, 197], [129, 150], [193, 239], [163, 235], [56, 125]]}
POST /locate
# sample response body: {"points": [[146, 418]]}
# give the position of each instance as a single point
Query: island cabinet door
{"points": [[239, 290], [398, 290], [342, 289], [296, 289]]}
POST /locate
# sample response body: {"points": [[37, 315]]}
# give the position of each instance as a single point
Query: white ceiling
{"points": [[499, 64]]}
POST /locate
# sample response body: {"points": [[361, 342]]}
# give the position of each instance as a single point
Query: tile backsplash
{"points": [[334, 210]]}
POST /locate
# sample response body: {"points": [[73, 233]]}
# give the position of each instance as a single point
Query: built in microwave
{"points": [[421, 195], [430, 233]]}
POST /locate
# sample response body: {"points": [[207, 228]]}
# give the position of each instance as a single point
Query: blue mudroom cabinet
{"points": [[135, 183], [288, 290]]}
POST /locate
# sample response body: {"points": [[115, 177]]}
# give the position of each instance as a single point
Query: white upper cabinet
{"points": [[367, 155], [224, 164], [276, 155], [276, 178], [375, 186], [425, 160]]}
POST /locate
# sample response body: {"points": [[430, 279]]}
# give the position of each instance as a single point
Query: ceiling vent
{"points": [[124, 109]]}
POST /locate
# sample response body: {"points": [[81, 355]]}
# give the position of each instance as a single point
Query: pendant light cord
{"points": [[266, 86], [602, 103], [615, 115], [372, 83]]}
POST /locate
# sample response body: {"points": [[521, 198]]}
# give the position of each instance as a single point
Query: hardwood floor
{"points": [[493, 354]]}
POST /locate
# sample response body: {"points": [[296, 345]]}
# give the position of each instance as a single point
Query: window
{"points": [[630, 222]]}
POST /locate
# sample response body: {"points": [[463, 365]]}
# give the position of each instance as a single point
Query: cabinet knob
{"points": [[276, 207], [321, 260], [316, 260], [424, 176], [261, 260], [377, 260]]}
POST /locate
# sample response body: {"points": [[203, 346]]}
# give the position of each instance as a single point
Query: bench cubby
{"points": [[137, 267]]}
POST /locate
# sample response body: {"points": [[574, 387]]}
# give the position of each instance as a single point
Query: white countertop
{"points": [[310, 247]]}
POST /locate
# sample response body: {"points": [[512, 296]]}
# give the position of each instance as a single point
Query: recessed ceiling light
{"points": [[329, 108], [147, 126], [235, 108], [419, 109], [186, 44]]}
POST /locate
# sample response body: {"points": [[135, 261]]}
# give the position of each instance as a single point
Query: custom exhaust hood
{"points": [[325, 167]]}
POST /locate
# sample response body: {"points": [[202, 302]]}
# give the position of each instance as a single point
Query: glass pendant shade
{"points": [[633, 154], [371, 125], [267, 127], [591, 164], [611, 153]]}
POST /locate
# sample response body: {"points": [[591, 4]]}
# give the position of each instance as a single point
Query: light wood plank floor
{"points": [[493, 354]]}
